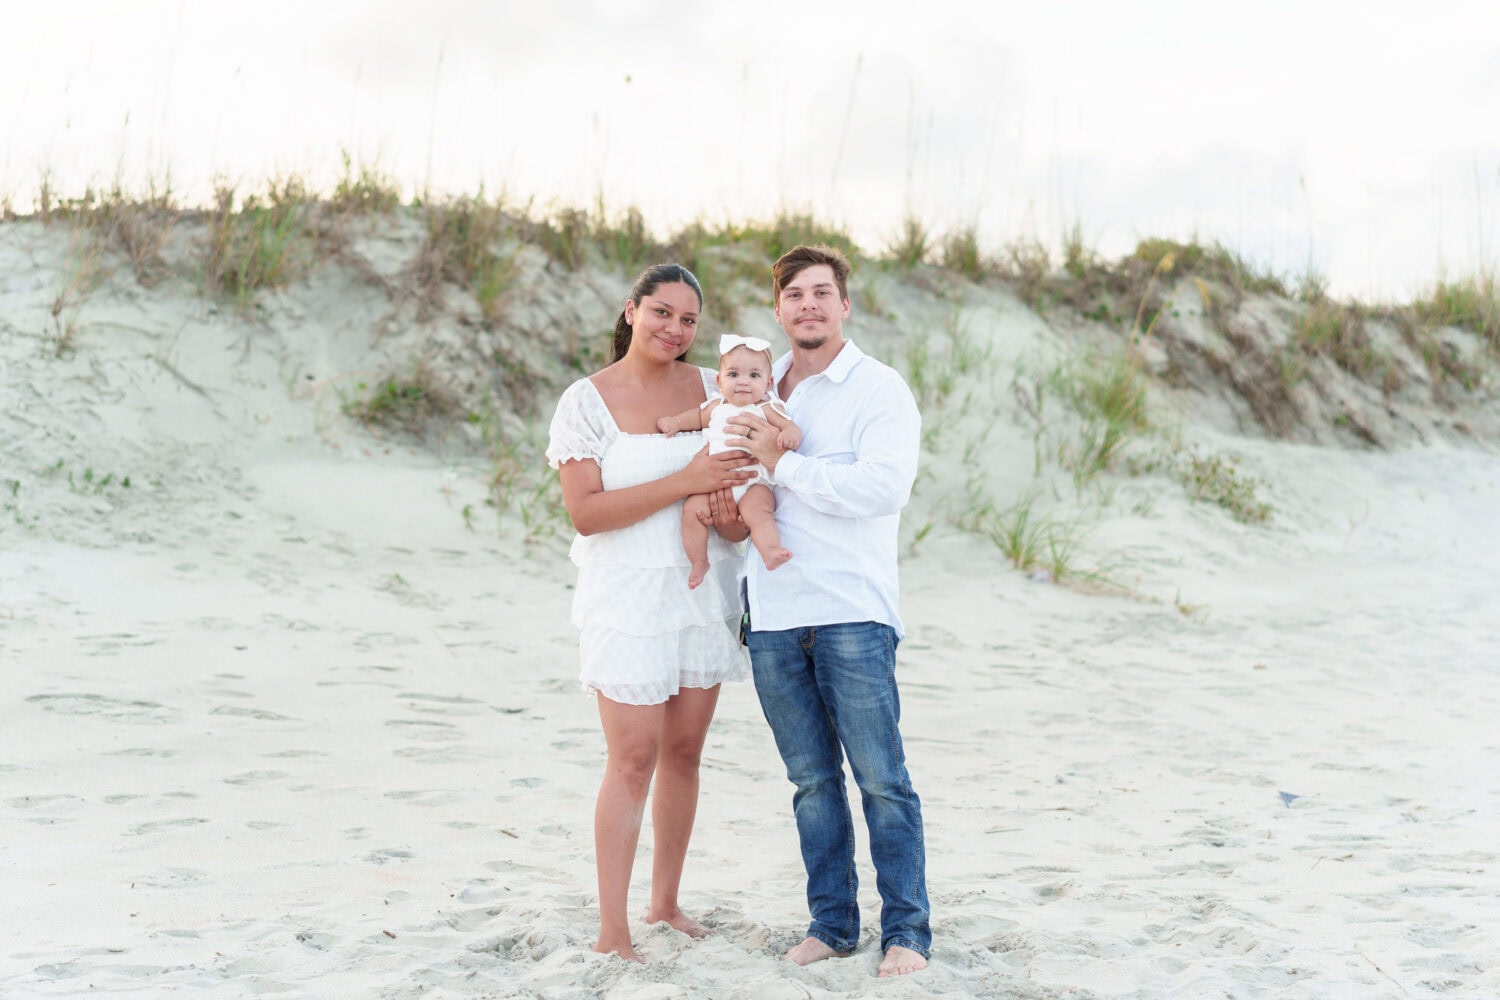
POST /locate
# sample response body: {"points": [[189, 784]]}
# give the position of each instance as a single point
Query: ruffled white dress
{"points": [[643, 633]]}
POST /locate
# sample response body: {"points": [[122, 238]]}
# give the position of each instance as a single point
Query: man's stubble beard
{"points": [[810, 343]]}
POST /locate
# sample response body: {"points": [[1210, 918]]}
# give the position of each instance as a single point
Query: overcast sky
{"points": [[1358, 138]]}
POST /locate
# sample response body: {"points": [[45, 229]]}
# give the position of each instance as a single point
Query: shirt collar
{"points": [[838, 369]]}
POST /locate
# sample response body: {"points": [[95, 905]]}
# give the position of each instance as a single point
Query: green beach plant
{"points": [[1470, 303], [471, 242], [414, 402], [959, 251], [263, 242], [1109, 393], [1214, 479], [365, 191], [82, 274], [911, 244]]}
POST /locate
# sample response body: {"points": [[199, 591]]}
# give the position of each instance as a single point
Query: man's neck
{"points": [[815, 361], [808, 362]]}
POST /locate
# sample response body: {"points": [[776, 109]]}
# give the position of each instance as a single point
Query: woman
{"points": [[653, 652]]}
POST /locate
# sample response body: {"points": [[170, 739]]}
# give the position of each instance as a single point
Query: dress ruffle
{"points": [[628, 668], [648, 600]]}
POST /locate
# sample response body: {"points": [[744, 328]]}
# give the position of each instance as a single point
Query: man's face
{"points": [[810, 309]]}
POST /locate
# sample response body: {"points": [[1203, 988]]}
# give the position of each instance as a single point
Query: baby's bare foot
{"points": [[900, 961], [696, 576], [775, 557], [812, 950]]}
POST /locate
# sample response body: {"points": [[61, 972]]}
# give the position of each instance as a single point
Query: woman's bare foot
{"points": [[900, 961], [699, 571], [812, 950], [680, 921], [625, 951]]}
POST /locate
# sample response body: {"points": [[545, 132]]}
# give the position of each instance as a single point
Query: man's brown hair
{"points": [[800, 258]]}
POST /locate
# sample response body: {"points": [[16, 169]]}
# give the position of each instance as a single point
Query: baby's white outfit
{"points": [[716, 433], [642, 635]]}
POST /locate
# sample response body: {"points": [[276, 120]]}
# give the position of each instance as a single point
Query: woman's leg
{"points": [[758, 511], [675, 801], [633, 736]]}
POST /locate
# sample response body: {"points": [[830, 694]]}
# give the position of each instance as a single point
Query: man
{"points": [[824, 627]]}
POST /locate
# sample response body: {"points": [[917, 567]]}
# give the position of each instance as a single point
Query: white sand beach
{"points": [[291, 715]]}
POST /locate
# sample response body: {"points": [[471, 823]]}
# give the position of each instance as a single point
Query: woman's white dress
{"points": [[643, 633]]}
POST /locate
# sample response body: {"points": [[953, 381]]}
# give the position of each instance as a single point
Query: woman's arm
{"points": [[593, 509]]}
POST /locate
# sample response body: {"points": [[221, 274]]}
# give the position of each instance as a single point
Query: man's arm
{"points": [[877, 482]]}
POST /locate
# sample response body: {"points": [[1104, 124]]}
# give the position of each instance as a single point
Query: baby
{"points": [[744, 387]]}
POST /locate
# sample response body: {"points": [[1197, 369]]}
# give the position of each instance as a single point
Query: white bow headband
{"points": [[730, 341]]}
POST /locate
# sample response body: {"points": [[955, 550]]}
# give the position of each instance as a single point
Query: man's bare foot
{"points": [[812, 950], [678, 920], [774, 557], [900, 961], [625, 951], [697, 575]]}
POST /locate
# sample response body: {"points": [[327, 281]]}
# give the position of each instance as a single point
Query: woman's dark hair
{"points": [[652, 278]]}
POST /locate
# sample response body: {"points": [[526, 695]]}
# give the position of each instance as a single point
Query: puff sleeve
{"points": [[581, 426]]}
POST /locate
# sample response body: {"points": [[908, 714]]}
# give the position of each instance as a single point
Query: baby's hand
{"points": [[668, 426], [789, 439]]}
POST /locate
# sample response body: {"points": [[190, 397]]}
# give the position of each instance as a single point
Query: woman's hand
{"points": [[724, 516]]}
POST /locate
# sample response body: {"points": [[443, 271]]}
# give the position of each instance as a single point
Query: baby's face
{"points": [[744, 376]]}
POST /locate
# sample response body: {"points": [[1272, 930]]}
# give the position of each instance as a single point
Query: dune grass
{"points": [[1470, 303], [413, 402], [253, 243], [260, 241]]}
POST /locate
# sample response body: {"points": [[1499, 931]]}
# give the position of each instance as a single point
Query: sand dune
{"points": [[279, 720]]}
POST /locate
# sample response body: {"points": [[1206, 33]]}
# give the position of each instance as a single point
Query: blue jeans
{"points": [[827, 691]]}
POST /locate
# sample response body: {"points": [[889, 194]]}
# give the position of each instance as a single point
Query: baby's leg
{"points": [[758, 511], [695, 537]]}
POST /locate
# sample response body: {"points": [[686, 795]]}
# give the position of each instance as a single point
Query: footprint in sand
{"points": [[156, 826], [426, 796], [249, 713], [114, 709], [428, 730], [255, 777]]}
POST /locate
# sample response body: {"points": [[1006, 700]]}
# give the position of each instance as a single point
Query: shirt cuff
{"points": [[787, 466]]}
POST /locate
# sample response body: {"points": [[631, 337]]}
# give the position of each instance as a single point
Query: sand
{"points": [[279, 720]]}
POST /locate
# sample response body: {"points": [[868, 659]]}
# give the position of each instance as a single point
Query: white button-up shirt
{"points": [[839, 498]]}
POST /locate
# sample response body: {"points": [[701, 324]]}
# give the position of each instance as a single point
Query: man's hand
{"points": [[759, 439]]}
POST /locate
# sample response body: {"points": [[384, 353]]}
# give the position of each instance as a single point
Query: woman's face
{"points": [[665, 321]]}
